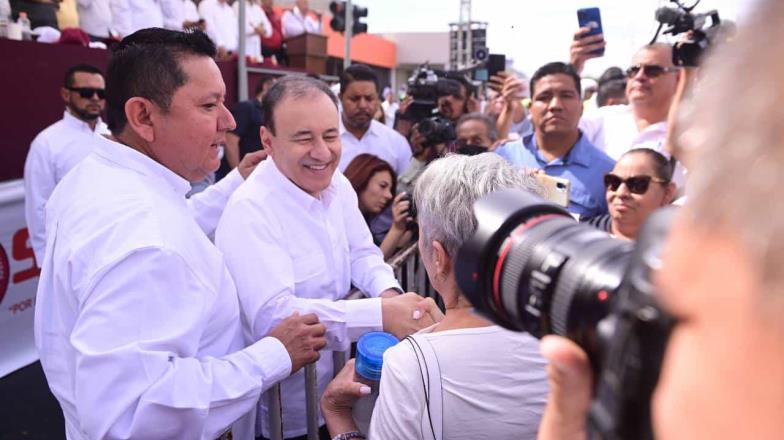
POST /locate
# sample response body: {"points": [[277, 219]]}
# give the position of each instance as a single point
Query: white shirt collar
{"points": [[75, 122], [126, 157], [297, 194]]}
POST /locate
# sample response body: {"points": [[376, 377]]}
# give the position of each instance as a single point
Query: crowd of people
{"points": [[106, 22], [166, 313]]}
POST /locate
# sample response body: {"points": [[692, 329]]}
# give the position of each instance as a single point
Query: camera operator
{"points": [[723, 371], [460, 101], [557, 145]]}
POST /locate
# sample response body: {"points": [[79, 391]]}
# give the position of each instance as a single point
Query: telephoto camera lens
{"points": [[531, 267]]}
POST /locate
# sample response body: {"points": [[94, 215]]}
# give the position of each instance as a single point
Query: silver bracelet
{"points": [[349, 435]]}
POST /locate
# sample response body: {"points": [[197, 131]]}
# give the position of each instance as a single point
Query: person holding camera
{"points": [[557, 145], [375, 182], [492, 381], [723, 370]]}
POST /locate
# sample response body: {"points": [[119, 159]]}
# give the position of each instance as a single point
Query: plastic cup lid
{"points": [[370, 351]]}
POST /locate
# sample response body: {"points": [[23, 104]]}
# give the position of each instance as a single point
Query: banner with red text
{"points": [[18, 282]]}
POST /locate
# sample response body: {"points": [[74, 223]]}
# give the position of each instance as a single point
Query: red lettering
{"points": [[21, 251], [5, 272], [21, 306]]}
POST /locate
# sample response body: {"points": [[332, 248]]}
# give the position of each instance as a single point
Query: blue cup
{"points": [[370, 351]]}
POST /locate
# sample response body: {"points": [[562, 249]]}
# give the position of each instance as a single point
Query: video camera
{"points": [[530, 267], [681, 20], [425, 86]]}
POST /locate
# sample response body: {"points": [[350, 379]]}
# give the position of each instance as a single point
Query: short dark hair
{"points": [[461, 78], [358, 72], [262, 82], [68, 80], [662, 167], [295, 87], [147, 64], [556, 68], [615, 88], [363, 167], [492, 131], [611, 73]]}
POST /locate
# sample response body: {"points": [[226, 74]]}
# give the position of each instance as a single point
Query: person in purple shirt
{"points": [[557, 146]]}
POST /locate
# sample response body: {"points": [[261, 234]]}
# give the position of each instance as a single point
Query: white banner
{"points": [[18, 282]]}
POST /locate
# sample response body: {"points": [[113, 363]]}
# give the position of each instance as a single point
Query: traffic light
{"points": [[359, 27], [338, 22]]}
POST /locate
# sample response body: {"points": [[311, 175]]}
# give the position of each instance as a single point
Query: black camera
{"points": [[412, 212], [531, 267], [425, 86], [680, 20], [437, 130]]}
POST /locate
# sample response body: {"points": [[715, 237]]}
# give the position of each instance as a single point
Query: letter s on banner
{"points": [[23, 251], [5, 274]]}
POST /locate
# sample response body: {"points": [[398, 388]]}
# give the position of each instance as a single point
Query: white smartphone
{"points": [[557, 189]]}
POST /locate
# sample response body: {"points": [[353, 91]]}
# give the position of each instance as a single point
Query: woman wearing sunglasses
{"points": [[640, 183]]}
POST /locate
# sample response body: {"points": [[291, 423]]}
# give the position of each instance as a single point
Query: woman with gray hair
{"points": [[493, 382]]}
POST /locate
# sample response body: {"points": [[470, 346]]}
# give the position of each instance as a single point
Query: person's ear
{"points": [[266, 140], [65, 94], [669, 193], [443, 262], [139, 112]]}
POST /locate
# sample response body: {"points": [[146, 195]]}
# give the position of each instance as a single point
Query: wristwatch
{"points": [[349, 435]]}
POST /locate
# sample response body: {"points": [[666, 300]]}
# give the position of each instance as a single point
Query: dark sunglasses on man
{"points": [[650, 70], [635, 184], [88, 92]]}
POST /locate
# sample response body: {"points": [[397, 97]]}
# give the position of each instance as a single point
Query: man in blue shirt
{"points": [[557, 146]]}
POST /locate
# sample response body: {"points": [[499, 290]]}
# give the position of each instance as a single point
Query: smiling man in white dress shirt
{"points": [[294, 239], [137, 318]]}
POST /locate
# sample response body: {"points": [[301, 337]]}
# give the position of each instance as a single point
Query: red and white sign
{"points": [[18, 282]]}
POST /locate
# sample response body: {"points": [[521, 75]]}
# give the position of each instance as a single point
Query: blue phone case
{"points": [[591, 17]]}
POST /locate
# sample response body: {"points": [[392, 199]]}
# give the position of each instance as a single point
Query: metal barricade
{"points": [[410, 273]]}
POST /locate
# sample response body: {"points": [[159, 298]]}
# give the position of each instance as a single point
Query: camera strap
{"points": [[432, 423]]}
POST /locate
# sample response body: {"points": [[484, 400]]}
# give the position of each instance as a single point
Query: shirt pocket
{"points": [[589, 205], [308, 265]]}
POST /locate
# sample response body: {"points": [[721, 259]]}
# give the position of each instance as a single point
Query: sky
{"points": [[535, 32]]}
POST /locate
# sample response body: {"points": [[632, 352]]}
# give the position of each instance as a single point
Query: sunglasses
{"points": [[635, 184], [88, 92], [650, 70]]}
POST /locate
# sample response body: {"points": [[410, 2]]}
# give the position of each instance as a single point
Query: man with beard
{"points": [[359, 132], [59, 147]]}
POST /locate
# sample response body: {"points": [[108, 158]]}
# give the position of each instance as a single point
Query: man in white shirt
{"points": [[256, 26], [179, 15], [137, 319], [298, 21], [222, 24], [359, 132], [62, 145], [95, 17], [650, 88], [145, 14], [294, 239]]}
